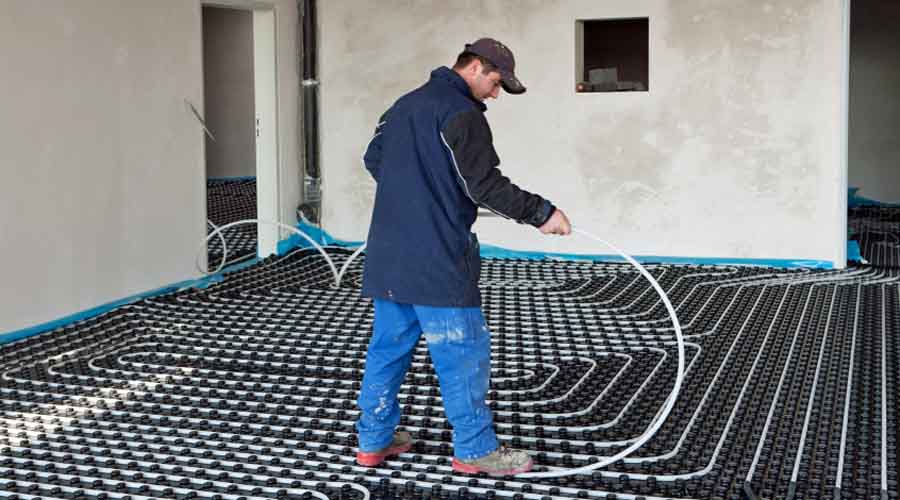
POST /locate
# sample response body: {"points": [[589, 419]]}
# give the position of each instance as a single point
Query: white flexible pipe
{"points": [[679, 338], [670, 401], [349, 261], [224, 249], [218, 231]]}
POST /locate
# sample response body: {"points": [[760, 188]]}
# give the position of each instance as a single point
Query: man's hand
{"points": [[558, 223]]}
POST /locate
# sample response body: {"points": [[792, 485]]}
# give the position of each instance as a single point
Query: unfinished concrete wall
{"points": [[734, 152], [228, 92], [103, 182], [874, 150]]}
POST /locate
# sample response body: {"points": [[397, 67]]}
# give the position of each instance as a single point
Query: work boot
{"points": [[401, 444], [502, 462]]}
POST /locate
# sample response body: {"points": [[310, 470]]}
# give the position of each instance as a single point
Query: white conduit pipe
{"points": [[670, 401], [349, 261], [224, 252], [679, 338], [218, 231], [224, 261]]}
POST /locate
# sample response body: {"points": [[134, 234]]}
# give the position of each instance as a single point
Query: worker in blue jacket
{"points": [[433, 159]]}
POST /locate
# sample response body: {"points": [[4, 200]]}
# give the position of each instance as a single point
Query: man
{"points": [[434, 163]]}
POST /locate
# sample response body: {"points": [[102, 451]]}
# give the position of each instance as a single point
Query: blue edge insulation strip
{"points": [[490, 251]]}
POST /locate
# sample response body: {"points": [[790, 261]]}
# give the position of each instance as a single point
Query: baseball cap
{"points": [[500, 56]]}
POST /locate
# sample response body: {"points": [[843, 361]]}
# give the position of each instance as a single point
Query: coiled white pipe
{"points": [[224, 261], [349, 261], [679, 339], [670, 401], [218, 231]]}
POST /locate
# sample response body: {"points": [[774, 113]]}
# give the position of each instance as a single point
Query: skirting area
{"points": [[247, 389]]}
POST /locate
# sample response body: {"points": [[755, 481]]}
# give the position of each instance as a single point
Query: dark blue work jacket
{"points": [[434, 163]]}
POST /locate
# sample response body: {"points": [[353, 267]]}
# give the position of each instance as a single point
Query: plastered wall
{"points": [[734, 152], [102, 179]]}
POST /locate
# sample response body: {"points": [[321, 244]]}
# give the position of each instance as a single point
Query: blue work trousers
{"points": [[460, 345]]}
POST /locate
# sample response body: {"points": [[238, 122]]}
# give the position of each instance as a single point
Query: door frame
{"points": [[265, 71], [265, 95], [844, 136]]}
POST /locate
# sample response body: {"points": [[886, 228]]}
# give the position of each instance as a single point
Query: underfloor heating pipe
{"points": [[679, 338]]}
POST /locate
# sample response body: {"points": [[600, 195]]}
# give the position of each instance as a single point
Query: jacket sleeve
{"points": [[468, 139], [372, 156]]}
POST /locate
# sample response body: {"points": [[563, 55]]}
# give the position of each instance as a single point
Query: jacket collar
{"points": [[452, 78]]}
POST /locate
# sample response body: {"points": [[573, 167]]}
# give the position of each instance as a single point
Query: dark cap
{"points": [[502, 57]]}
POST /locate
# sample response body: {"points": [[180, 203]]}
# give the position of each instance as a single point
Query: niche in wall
{"points": [[612, 55]]}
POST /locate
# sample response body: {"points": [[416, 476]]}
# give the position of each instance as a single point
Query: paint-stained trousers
{"points": [[460, 345]]}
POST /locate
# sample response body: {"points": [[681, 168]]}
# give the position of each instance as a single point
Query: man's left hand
{"points": [[558, 223]]}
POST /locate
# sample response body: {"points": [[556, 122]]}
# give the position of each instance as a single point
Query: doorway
{"points": [[873, 119], [241, 141]]}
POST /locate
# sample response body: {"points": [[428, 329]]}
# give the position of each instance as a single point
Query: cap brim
{"points": [[511, 84]]}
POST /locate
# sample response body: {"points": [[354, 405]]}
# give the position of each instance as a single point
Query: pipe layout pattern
{"points": [[246, 389], [877, 229], [229, 200]]}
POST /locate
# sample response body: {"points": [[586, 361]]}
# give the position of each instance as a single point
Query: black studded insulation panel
{"points": [[877, 229], [229, 200], [246, 389]]}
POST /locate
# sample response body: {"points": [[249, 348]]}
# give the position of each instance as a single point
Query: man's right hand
{"points": [[558, 223]]}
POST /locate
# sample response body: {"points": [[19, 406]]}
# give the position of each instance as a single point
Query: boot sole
{"points": [[464, 468], [373, 459]]}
